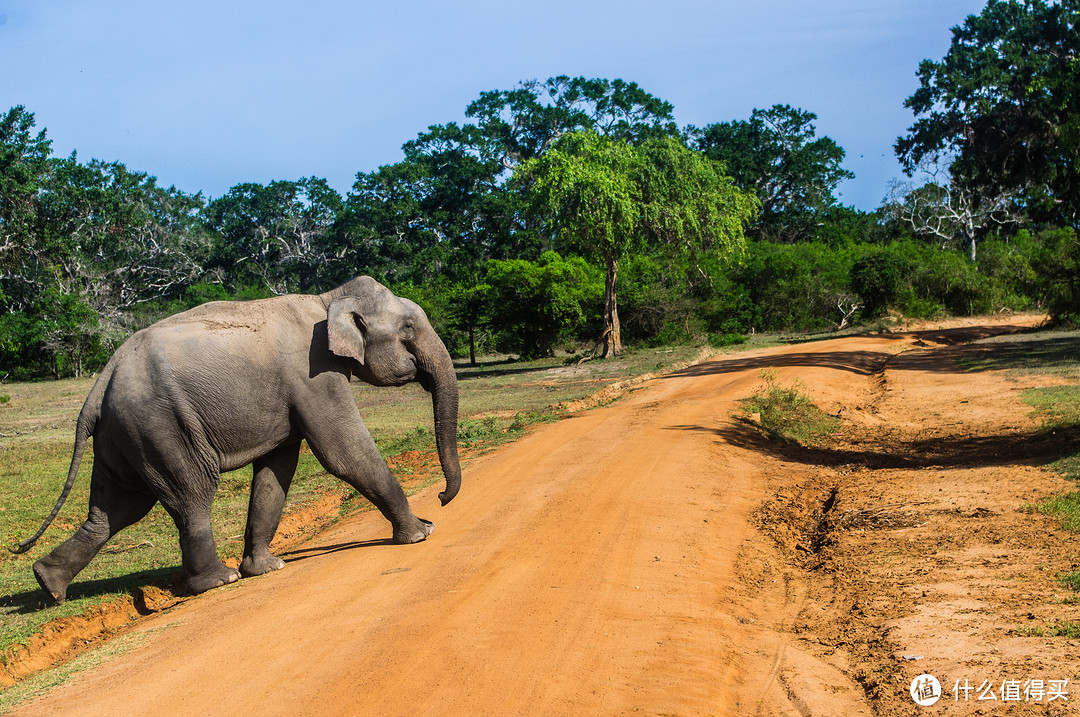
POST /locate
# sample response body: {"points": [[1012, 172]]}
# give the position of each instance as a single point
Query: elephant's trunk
{"points": [[433, 360]]}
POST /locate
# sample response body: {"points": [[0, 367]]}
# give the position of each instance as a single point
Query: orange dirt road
{"points": [[591, 568]]}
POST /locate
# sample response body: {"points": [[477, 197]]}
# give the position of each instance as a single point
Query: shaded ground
{"points": [[657, 556]]}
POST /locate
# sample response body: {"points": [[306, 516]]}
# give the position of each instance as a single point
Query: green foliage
{"points": [[23, 171], [1057, 266], [878, 278], [535, 306], [787, 414], [609, 199], [1002, 106], [796, 286], [276, 236], [522, 123], [91, 251], [776, 155]]}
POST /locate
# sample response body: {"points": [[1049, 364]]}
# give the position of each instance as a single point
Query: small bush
{"points": [[472, 431], [787, 415], [719, 341]]}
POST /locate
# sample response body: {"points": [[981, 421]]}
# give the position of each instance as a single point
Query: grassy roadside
{"points": [[786, 414], [499, 400], [1053, 357]]}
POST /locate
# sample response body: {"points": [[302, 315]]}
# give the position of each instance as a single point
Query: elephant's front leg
{"points": [[273, 473], [347, 450]]}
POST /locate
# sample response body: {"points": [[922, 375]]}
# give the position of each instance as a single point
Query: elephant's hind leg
{"points": [[111, 510], [203, 570], [273, 473], [190, 510]]}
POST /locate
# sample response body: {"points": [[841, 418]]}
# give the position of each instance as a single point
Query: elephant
{"points": [[232, 383]]}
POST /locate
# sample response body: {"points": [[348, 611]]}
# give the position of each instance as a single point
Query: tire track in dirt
{"points": [[604, 564]]}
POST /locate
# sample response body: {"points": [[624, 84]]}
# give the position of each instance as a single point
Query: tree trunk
{"points": [[472, 345], [612, 337]]}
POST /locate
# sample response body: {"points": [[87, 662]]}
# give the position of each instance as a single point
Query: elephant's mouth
{"points": [[425, 380]]}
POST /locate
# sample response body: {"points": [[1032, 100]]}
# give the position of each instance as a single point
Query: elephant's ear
{"points": [[343, 322]]}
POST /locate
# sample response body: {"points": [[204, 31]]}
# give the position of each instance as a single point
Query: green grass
{"points": [[1052, 353], [1070, 580], [499, 399], [1065, 507], [1065, 628], [788, 414], [1058, 406]]}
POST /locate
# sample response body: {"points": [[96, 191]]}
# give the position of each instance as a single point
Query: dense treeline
{"points": [[574, 212]]}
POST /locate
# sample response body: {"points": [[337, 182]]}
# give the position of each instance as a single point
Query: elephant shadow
{"points": [[315, 551], [167, 578], [135, 584]]}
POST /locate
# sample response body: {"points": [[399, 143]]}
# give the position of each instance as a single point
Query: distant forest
{"points": [[574, 213]]}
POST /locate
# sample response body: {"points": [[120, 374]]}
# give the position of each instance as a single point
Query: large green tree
{"points": [[532, 306], [446, 209], [275, 236], [1002, 108], [24, 157], [778, 155], [521, 123], [606, 198]]}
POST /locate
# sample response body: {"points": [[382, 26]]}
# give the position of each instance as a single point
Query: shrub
{"points": [[1058, 268], [878, 278], [787, 415]]}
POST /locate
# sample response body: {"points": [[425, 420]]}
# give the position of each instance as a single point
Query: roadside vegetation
{"points": [[786, 414], [1054, 356]]}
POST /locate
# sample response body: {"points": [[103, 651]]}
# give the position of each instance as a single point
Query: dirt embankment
{"points": [[657, 556]]}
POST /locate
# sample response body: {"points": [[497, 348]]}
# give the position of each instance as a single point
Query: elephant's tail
{"points": [[84, 428]]}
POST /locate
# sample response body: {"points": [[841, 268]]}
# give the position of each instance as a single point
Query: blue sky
{"points": [[208, 94]]}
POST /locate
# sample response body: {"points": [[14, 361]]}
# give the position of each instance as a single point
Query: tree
{"points": [[440, 210], [1002, 108], [23, 168], [607, 198], [533, 306], [949, 212], [777, 154], [113, 237], [1058, 268], [446, 208], [520, 124], [277, 235]]}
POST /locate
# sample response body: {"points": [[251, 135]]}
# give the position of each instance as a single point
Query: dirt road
{"points": [[614, 562]]}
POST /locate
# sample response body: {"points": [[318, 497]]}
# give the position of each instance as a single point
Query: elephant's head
{"points": [[392, 343]]}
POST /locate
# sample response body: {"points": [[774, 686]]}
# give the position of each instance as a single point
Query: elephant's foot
{"points": [[260, 564], [54, 581], [414, 533], [210, 579]]}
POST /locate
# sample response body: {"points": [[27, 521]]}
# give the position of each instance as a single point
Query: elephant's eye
{"points": [[408, 331]]}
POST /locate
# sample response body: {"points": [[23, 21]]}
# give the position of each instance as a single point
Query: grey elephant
{"points": [[230, 383]]}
